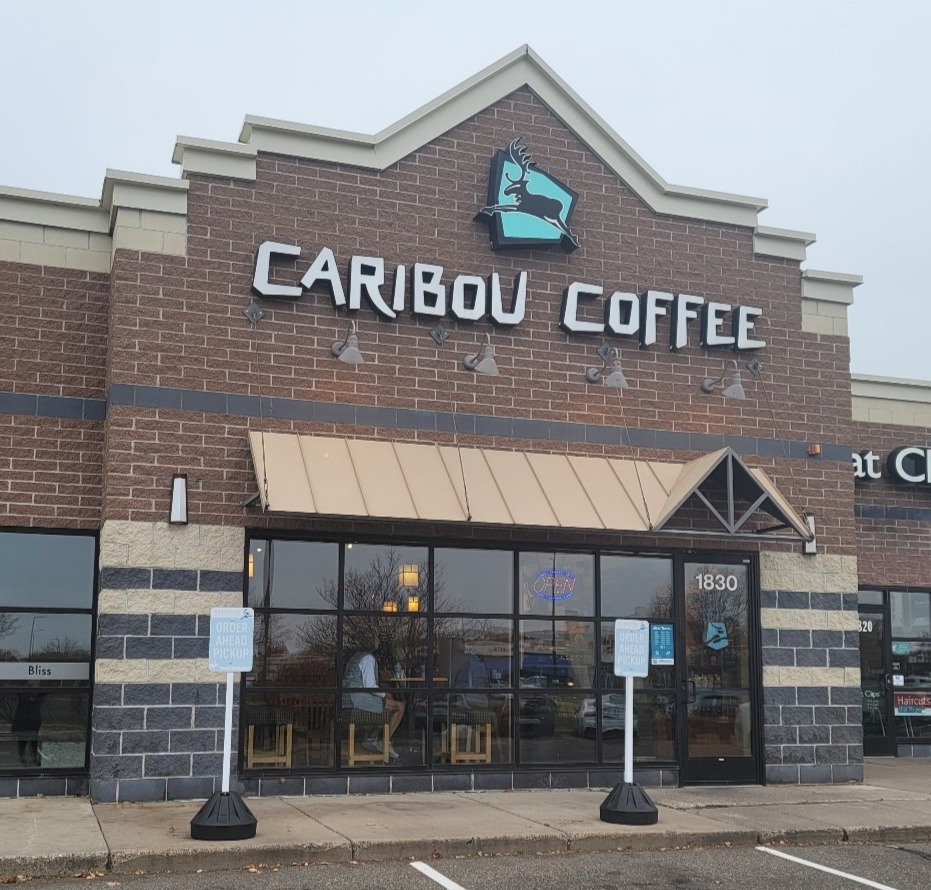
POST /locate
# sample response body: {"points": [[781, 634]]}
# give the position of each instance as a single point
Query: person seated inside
{"points": [[361, 674]]}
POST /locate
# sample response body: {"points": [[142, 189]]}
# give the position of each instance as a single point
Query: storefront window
{"points": [[474, 581], [370, 656], [388, 579], [557, 584], [636, 587], [46, 620], [911, 614], [911, 665], [294, 574]]}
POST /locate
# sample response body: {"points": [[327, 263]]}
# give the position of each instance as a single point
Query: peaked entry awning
{"points": [[364, 478]]}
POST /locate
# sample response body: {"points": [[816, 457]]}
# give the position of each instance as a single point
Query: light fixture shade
{"points": [[486, 364], [615, 378], [736, 389], [409, 575], [348, 350], [177, 514]]}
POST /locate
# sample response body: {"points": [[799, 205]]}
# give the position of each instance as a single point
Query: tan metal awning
{"points": [[365, 478]]}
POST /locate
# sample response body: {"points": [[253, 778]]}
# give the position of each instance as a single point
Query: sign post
{"points": [[628, 803], [225, 816]]}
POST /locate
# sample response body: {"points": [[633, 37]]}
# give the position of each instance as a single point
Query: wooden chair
{"points": [[280, 722], [475, 725], [357, 717]]}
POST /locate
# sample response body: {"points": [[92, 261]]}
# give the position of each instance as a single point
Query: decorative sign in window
{"points": [[553, 585]]}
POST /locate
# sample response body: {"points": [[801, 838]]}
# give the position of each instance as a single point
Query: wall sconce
{"points": [[251, 565], [613, 378], [348, 350], [409, 575], [810, 547], [177, 514], [413, 603], [486, 364], [389, 606], [734, 390]]}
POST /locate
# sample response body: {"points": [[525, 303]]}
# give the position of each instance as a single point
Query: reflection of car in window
{"points": [[717, 704], [555, 670], [612, 716], [537, 715], [918, 680]]}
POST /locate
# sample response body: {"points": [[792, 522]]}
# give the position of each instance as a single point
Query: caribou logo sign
{"points": [[527, 207]]}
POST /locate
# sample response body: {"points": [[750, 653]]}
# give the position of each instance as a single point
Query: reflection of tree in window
{"points": [[62, 649], [8, 625]]}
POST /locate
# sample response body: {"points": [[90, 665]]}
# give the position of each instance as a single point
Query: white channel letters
{"points": [[470, 297], [904, 464]]}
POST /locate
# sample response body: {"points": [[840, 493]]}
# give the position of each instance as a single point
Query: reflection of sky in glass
{"points": [[474, 580], [46, 570], [911, 614], [304, 574], [636, 587], [27, 635]]}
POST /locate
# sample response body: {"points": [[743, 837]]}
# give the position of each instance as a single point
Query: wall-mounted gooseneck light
{"points": [[615, 377], [484, 364], [348, 350], [734, 390]]}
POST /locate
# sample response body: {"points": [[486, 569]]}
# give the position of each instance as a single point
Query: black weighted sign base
{"points": [[224, 817], [629, 804]]}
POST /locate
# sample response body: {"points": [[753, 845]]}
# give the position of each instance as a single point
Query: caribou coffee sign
{"points": [[904, 464], [529, 208], [425, 289]]}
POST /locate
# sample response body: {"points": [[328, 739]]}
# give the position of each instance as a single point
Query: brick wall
{"points": [[54, 347], [894, 519], [178, 322]]}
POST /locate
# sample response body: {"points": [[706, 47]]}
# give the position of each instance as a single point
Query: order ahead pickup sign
{"points": [[631, 648], [231, 634]]}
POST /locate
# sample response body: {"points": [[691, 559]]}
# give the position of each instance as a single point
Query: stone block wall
{"points": [[812, 703], [157, 727]]}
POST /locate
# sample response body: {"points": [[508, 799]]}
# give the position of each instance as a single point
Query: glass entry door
{"points": [[717, 707], [878, 726]]}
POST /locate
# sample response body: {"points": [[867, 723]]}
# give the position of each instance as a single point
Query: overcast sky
{"points": [[819, 106]]}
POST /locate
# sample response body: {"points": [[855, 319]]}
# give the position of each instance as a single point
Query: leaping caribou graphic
{"points": [[543, 207]]}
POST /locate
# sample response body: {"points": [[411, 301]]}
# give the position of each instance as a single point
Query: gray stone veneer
{"points": [[812, 727]]}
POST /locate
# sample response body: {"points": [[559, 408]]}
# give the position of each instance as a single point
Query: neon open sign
{"points": [[554, 584]]}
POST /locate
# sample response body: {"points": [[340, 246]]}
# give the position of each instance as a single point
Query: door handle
{"points": [[688, 687]]}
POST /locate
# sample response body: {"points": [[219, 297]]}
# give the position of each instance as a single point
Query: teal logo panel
{"points": [[527, 207]]}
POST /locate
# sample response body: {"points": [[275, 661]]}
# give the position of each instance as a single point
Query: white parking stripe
{"points": [[831, 871], [442, 880]]}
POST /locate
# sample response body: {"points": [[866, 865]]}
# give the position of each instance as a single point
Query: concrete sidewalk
{"points": [[67, 836]]}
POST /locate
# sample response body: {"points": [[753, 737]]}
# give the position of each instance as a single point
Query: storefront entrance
{"points": [[717, 699], [875, 681]]}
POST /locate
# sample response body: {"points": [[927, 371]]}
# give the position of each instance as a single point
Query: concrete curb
{"points": [[228, 856], [54, 866]]}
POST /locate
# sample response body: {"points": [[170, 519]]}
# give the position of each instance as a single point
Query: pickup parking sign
{"points": [[231, 635], [631, 648]]}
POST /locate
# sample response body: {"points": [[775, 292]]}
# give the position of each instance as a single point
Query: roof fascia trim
{"points": [[520, 68], [782, 243], [140, 191], [865, 386], [53, 210], [208, 157]]}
